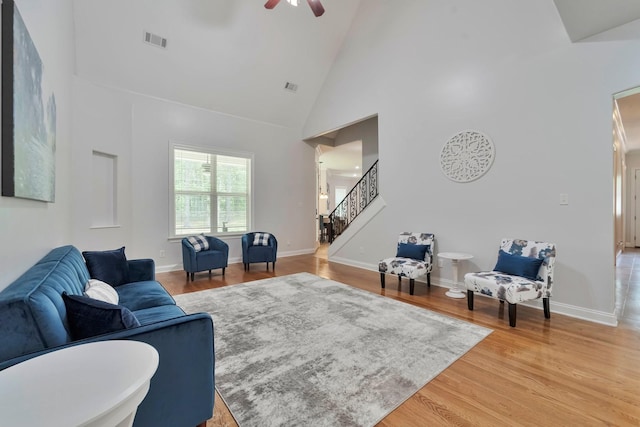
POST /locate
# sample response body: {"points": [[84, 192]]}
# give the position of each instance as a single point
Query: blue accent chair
{"points": [[258, 253], [217, 256]]}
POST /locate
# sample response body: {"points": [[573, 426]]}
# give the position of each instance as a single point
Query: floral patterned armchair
{"points": [[524, 272], [414, 258]]}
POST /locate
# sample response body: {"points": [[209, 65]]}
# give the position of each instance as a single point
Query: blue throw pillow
{"points": [[108, 266], [88, 317], [518, 265], [417, 252]]}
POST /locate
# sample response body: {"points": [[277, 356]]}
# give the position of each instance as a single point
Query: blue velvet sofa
{"points": [[33, 321]]}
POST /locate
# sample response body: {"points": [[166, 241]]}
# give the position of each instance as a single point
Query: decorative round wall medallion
{"points": [[467, 156]]}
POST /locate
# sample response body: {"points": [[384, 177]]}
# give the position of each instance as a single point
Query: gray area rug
{"points": [[300, 350]]}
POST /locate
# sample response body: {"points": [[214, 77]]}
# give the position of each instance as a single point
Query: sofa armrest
{"points": [[182, 390], [141, 269]]}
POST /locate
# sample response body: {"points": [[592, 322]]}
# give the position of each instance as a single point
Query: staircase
{"points": [[360, 196]]}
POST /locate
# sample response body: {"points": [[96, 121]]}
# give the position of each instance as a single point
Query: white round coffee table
{"points": [[455, 258], [98, 384]]}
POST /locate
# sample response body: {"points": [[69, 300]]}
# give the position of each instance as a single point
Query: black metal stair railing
{"points": [[360, 196]]}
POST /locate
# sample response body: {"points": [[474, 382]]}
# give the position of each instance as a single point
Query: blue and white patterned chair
{"points": [[524, 272], [413, 259]]}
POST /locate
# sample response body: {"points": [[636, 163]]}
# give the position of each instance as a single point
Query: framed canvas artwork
{"points": [[28, 114]]}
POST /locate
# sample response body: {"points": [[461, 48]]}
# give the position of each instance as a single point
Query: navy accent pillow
{"points": [[417, 252], [108, 266], [88, 317], [518, 265]]}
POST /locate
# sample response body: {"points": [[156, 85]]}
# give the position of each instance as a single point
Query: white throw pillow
{"points": [[101, 291]]}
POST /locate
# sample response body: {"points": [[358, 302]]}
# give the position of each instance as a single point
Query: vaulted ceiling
{"points": [[235, 56], [231, 56]]}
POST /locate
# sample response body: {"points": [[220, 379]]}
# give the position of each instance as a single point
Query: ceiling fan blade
{"points": [[316, 7], [270, 4]]}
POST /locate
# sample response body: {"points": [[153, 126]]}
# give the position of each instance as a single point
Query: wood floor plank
{"points": [[545, 372]]}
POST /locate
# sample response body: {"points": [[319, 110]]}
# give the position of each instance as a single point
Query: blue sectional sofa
{"points": [[33, 321]]}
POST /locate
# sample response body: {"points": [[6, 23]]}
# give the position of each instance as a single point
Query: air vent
{"points": [[291, 87], [155, 40]]}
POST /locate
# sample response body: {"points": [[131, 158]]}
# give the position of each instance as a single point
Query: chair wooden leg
{"points": [[382, 280], [545, 304], [399, 282], [209, 274], [223, 270], [470, 299], [412, 284], [512, 315], [267, 265], [193, 275], [187, 276], [428, 280]]}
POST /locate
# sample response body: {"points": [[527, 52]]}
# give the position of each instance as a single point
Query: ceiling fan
{"points": [[315, 5]]}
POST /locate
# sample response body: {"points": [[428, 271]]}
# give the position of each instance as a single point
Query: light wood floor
{"points": [[557, 372]]}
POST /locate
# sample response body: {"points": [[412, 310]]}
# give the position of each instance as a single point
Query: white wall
{"points": [[138, 130], [507, 69], [29, 229], [365, 131]]}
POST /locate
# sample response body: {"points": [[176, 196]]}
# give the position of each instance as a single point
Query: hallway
{"points": [[628, 288]]}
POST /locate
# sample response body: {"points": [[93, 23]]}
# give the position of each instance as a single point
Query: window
{"points": [[210, 192]]}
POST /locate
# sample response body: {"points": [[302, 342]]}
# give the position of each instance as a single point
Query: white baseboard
{"points": [[582, 313], [235, 260]]}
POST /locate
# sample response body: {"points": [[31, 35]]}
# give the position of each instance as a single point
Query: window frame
{"points": [[214, 151]]}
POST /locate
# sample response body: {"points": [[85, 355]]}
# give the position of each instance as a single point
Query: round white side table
{"points": [[98, 384], [455, 258]]}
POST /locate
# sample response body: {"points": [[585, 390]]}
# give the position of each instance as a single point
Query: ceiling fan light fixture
{"points": [[315, 5]]}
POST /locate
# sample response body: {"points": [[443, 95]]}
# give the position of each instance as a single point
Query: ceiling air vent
{"points": [[155, 40], [291, 87]]}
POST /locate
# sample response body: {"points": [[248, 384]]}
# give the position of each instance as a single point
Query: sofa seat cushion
{"points": [[507, 287], [140, 295], [156, 314]]}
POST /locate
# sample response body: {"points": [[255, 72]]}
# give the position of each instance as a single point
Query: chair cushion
{"points": [[518, 265], [88, 317], [407, 250], [101, 291], [261, 239], [108, 266], [407, 267], [513, 289], [199, 243]]}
